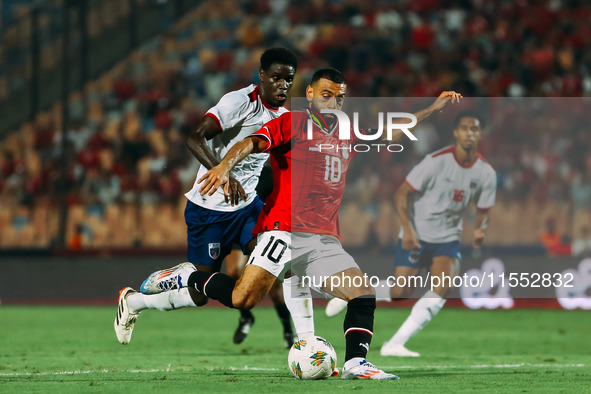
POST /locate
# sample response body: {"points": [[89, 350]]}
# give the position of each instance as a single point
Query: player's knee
{"points": [[368, 291], [243, 301], [358, 292], [249, 304]]}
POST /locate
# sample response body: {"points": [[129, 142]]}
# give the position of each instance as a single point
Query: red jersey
{"points": [[308, 174]]}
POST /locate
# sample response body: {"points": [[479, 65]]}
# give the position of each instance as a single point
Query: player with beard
{"points": [[300, 231], [216, 221]]}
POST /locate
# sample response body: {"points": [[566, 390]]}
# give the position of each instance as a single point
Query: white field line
{"points": [[247, 368], [104, 371], [519, 365]]}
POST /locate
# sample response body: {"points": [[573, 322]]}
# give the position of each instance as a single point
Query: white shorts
{"points": [[306, 254]]}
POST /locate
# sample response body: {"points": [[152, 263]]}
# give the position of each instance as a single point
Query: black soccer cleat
{"points": [[243, 329]]}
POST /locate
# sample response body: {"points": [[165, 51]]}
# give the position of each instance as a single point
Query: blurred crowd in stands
{"points": [[128, 165]]}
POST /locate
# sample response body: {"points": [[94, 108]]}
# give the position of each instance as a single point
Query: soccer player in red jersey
{"points": [[213, 225], [298, 226]]}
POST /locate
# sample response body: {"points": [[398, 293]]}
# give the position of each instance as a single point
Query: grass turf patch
{"points": [[74, 349]]}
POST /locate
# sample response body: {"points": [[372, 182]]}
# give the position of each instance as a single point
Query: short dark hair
{"points": [[332, 74], [469, 113], [278, 55]]}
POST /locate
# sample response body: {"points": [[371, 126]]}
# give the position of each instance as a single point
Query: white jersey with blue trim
{"points": [[238, 114], [444, 190]]}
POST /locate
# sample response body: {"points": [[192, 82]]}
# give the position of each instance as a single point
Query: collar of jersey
{"points": [[464, 165], [319, 121]]}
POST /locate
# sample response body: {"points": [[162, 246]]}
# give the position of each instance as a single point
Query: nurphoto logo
{"points": [[345, 125]]}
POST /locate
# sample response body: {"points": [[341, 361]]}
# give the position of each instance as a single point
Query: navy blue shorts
{"points": [[210, 234], [423, 257]]}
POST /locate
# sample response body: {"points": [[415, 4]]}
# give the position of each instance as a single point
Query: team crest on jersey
{"points": [[472, 184], [214, 250]]}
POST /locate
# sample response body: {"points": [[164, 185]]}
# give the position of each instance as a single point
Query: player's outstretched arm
{"points": [[444, 99], [410, 240], [197, 144], [480, 225], [220, 174]]}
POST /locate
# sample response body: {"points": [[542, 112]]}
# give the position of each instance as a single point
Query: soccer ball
{"points": [[312, 358]]}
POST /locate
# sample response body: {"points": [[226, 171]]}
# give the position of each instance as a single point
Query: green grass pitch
{"points": [[74, 349]]}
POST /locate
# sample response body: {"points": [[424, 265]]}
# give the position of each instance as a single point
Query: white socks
{"points": [[383, 291], [421, 314], [165, 301], [299, 302]]}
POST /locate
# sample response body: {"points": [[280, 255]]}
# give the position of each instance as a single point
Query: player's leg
{"points": [[278, 298], [268, 261], [429, 304], [395, 288], [298, 299], [432, 301], [345, 280], [207, 247], [361, 303], [162, 299], [161, 291], [235, 262], [131, 303], [248, 243], [254, 283], [407, 265], [358, 323]]}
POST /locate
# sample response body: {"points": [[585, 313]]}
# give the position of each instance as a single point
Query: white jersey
{"points": [[238, 114], [445, 190]]}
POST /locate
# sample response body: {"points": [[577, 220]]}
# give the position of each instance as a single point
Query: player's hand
{"points": [[410, 241], [478, 238], [213, 179], [444, 99], [233, 191]]}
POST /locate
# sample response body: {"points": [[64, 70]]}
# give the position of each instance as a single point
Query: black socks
{"points": [[358, 326], [216, 286]]}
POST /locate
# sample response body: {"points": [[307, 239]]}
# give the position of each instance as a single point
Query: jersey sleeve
{"points": [[421, 174], [277, 131], [488, 195], [231, 110]]}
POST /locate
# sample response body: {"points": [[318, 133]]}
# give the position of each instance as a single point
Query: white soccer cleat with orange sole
{"points": [[168, 279], [366, 370], [125, 320]]}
